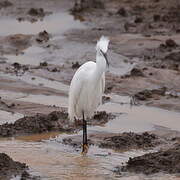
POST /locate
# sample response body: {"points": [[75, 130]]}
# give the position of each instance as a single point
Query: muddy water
{"points": [[55, 161]]}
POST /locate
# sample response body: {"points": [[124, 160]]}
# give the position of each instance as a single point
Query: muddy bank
{"points": [[10, 168], [120, 142], [54, 121], [166, 161]]}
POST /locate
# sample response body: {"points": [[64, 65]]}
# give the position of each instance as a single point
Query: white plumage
{"points": [[87, 85]]}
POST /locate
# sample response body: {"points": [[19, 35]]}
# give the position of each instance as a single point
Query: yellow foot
{"points": [[84, 149]]}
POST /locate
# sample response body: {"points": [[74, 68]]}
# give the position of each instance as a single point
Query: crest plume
{"points": [[102, 44]]}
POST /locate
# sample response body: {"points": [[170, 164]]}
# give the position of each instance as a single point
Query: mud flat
{"points": [[12, 169], [166, 161]]}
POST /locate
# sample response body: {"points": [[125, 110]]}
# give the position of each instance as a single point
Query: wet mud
{"points": [[119, 142], [45, 44], [11, 169], [54, 121], [166, 161]]}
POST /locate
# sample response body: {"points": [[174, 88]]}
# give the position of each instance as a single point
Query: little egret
{"points": [[87, 87]]}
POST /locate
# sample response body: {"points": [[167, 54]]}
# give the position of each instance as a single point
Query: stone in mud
{"points": [[130, 140], [167, 161]]}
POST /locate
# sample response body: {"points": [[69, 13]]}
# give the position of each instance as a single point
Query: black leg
{"points": [[85, 144]]}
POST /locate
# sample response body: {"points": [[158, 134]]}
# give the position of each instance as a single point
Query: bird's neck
{"points": [[100, 65]]}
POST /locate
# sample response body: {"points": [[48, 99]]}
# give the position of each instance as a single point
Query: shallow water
{"points": [[53, 160], [9, 117], [56, 23]]}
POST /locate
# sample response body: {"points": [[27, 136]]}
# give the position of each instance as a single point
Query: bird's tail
{"points": [[102, 44]]}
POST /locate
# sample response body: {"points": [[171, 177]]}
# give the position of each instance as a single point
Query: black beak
{"points": [[105, 56]]}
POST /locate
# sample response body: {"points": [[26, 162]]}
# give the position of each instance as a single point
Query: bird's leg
{"points": [[85, 144]]}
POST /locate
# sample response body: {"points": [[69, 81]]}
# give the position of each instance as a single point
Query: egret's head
{"points": [[102, 47]]}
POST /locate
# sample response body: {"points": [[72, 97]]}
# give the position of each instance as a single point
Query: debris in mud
{"points": [[43, 37], [76, 65], [55, 121], [101, 117], [130, 140], [10, 168], [81, 5], [136, 72], [43, 64], [122, 11], [36, 12], [5, 4], [174, 56], [167, 161], [147, 94]]}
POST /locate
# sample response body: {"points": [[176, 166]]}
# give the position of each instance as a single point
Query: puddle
{"points": [[57, 23], [54, 161], [59, 101], [39, 81], [9, 117], [137, 118], [32, 56]]}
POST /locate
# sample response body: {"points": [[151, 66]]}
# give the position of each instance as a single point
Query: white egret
{"points": [[87, 87]]}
